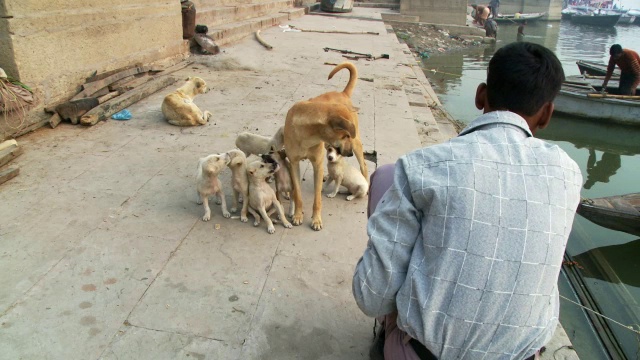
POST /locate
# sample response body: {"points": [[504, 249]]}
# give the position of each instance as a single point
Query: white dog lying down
{"points": [[178, 107], [257, 144], [344, 174], [207, 182], [262, 198]]}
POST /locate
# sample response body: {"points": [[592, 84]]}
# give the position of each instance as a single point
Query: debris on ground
{"points": [[425, 40], [9, 150]]}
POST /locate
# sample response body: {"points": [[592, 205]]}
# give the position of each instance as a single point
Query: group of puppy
{"points": [[323, 127]]}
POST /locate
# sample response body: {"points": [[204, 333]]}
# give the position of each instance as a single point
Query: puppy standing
{"points": [[178, 107], [239, 181], [257, 144], [261, 195], [283, 177], [344, 174], [207, 182]]}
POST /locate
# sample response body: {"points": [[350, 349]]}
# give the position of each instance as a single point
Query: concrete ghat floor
{"points": [[104, 253]]}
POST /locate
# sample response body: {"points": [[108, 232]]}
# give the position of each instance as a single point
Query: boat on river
{"points": [[595, 19], [594, 68], [519, 18], [579, 96], [621, 213]]}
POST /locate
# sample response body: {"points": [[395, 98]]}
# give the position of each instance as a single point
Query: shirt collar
{"points": [[497, 117]]}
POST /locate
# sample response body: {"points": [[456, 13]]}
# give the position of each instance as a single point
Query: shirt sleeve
{"points": [[393, 229]]}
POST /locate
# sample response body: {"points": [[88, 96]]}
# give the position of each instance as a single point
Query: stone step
{"points": [[216, 15], [227, 33], [360, 2]]}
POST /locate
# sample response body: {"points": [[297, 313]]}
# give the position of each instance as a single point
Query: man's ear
{"points": [[545, 115], [481, 97]]}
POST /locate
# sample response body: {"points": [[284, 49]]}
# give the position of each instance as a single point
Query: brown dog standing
{"points": [[344, 98], [310, 124]]}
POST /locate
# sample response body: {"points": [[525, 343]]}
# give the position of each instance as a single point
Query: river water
{"points": [[608, 155]]}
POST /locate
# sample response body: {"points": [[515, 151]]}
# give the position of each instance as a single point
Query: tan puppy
{"points": [[239, 181], [283, 177], [207, 182], [344, 174], [262, 198], [257, 144], [307, 127], [178, 107], [344, 98]]}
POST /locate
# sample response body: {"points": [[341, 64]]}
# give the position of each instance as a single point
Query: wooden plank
{"points": [[8, 174], [96, 76], [55, 120], [92, 87], [134, 84], [7, 155], [8, 144], [128, 79], [103, 111], [610, 96]]}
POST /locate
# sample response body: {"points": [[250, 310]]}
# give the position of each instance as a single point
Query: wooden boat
{"points": [[580, 96], [594, 68], [621, 213], [519, 18], [594, 19]]}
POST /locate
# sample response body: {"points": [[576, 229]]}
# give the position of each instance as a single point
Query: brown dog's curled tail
{"points": [[353, 76]]}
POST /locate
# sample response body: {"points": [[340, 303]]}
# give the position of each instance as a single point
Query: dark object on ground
{"points": [[207, 44], [202, 29], [341, 6], [621, 213]]}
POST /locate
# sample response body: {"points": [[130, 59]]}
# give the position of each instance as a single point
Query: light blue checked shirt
{"points": [[468, 242]]}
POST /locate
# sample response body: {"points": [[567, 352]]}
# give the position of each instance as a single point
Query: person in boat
{"points": [[629, 63], [520, 36], [494, 5], [466, 238]]}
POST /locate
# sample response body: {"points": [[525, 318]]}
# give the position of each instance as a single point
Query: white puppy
{"points": [[257, 144], [344, 174], [283, 177], [239, 181], [180, 110], [262, 198], [207, 182]]}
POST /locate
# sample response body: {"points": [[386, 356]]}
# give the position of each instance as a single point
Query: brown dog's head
{"points": [[342, 131], [199, 85]]}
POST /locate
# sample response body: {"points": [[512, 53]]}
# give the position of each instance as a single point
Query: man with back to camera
{"points": [[465, 246], [629, 63]]}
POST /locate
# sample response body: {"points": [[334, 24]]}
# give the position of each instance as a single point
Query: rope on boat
{"points": [[628, 327]]}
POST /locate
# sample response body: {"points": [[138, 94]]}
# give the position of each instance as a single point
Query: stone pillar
{"points": [[436, 11]]}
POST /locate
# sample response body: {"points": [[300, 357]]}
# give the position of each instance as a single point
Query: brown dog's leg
{"points": [[316, 217], [297, 193], [357, 150]]}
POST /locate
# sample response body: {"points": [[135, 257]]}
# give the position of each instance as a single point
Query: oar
{"points": [[609, 96]]}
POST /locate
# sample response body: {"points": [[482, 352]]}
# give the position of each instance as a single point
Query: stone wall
{"points": [[551, 7], [436, 11], [53, 45]]}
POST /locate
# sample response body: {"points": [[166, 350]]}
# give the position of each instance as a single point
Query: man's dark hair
{"points": [[522, 77], [615, 49]]}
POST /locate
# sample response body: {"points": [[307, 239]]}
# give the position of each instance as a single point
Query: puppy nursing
{"points": [[239, 181], [262, 198], [178, 107], [343, 174], [257, 144], [207, 182]]}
